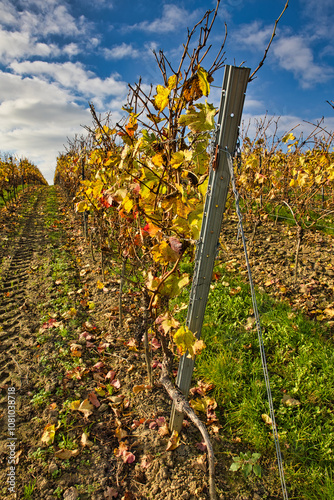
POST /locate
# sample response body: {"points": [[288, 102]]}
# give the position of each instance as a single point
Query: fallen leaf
{"points": [[120, 433], [201, 446], [200, 463], [48, 434], [85, 441], [290, 401], [138, 388], [110, 493], [93, 399], [76, 350], [146, 461], [66, 454], [266, 419], [173, 442], [86, 408], [111, 374], [163, 430]]}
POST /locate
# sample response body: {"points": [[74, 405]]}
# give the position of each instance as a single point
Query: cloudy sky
{"points": [[56, 56]]}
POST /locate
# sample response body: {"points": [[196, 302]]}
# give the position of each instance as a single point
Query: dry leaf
{"points": [[173, 441], [93, 399], [85, 441], [66, 454], [48, 434], [266, 419], [86, 408], [163, 430], [290, 401]]}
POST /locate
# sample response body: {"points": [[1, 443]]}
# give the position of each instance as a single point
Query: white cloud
{"points": [[294, 54], [37, 115], [20, 45], [122, 51], [253, 36], [173, 18], [26, 26], [320, 15], [74, 77]]}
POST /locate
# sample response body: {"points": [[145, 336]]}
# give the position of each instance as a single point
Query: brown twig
{"points": [[182, 405], [270, 42]]}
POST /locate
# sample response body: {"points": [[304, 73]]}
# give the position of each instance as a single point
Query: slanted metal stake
{"points": [[229, 117]]}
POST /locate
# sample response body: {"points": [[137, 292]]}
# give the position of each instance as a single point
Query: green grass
{"points": [[300, 359]]}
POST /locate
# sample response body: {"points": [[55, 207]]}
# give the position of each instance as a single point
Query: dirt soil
{"points": [[80, 380]]}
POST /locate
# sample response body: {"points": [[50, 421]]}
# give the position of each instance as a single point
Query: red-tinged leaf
{"points": [[116, 384], [161, 421], [175, 244], [201, 446], [153, 425], [110, 493], [90, 345], [132, 344], [155, 344], [111, 374], [103, 346], [51, 323], [128, 457], [146, 461], [156, 364], [98, 366], [137, 423], [93, 399], [86, 335]]}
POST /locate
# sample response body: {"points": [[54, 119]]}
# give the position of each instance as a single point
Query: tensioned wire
{"points": [[258, 327]]}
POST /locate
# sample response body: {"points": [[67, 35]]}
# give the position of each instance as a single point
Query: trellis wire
{"points": [[259, 331]]}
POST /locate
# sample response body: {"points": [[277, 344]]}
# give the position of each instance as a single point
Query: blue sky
{"points": [[57, 55]]}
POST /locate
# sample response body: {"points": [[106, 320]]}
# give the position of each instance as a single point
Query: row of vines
{"points": [[140, 184], [15, 173]]}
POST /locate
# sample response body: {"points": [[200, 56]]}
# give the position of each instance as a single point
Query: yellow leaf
{"points": [[203, 81], [75, 405], [82, 206], [158, 160], [185, 340], [138, 388], [48, 434], [266, 419], [85, 407], [161, 98], [173, 441], [163, 253], [199, 121], [177, 159], [100, 285], [288, 137], [128, 204], [172, 82]]}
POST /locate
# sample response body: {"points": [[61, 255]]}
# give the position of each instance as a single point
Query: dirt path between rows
{"points": [[81, 430], [78, 428]]}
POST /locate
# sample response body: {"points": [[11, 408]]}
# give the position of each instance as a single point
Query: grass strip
{"points": [[300, 359]]}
